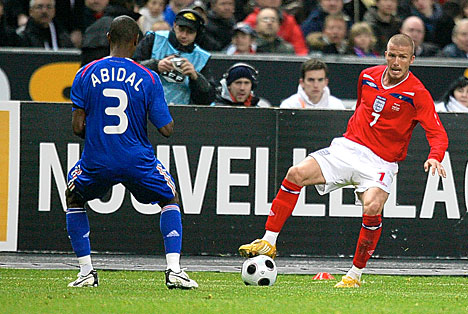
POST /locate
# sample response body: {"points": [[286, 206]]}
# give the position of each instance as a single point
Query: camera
{"points": [[177, 62]]}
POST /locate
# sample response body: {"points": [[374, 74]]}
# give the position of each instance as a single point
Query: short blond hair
{"points": [[359, 29], [402, 40]]}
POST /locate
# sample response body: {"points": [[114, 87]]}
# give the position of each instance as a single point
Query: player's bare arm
{"points": [[168, 129], [435, 165], [79, 122]]}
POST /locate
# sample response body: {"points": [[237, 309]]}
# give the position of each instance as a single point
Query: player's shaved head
{"points": [[401, 40], [123, 29]]}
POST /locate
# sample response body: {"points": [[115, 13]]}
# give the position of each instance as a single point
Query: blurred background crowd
{"points": [[301, 27], [178, 36]]}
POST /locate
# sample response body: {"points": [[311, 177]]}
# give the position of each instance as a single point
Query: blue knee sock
{"points": [[170, 224], [78, 231]]}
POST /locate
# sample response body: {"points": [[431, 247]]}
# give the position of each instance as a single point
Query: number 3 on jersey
{"points": [[118, 111]]}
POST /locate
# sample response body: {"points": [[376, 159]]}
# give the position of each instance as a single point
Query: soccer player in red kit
{"points": [[391, 101]]}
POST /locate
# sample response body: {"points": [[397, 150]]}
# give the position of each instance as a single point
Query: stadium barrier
{"points": [[228, 164], [46, 76]]}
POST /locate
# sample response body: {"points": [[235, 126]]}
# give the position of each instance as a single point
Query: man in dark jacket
{"points": [[459, 46], [384, 22], [219, 27], [95, 44], [413, 26], [237, 87], [8, 36], [41, 30]]}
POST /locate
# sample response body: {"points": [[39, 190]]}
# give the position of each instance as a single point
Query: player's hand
{"points": [[188, 69], [165, 65], [435, 165]]}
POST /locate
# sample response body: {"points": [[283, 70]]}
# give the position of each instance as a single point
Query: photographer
{"points": [[179, 61]]}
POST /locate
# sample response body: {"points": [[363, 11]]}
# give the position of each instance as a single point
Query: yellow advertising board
{"points": [[9, 173]]}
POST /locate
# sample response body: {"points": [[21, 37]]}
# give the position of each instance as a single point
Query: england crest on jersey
{"points": [[379, 103]]}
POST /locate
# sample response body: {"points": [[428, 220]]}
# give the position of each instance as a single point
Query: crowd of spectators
{"points": [[178, 36], [438, 27]]}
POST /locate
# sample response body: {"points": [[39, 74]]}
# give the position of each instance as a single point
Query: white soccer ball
{"points": [[259, 271]]}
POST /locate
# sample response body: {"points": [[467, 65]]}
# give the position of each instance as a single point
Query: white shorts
{"points": [[347, 163]]}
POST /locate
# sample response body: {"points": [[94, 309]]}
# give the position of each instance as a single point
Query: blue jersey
{"points": [[118, 95]]}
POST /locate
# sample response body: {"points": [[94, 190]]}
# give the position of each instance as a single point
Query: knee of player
{"points": [[372, 208], [296, 175], [174, 200], [73, 199]]}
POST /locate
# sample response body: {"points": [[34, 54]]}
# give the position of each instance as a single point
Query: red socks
{"points": [[283, 205], [368, 239]]}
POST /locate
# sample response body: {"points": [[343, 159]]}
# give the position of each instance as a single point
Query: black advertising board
{"points": [[228, 164]]}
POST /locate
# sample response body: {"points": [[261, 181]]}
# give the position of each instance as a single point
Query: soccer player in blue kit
{"points": [[112, 99]]}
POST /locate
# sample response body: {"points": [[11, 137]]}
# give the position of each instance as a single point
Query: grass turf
{"points": [[46, 291]]}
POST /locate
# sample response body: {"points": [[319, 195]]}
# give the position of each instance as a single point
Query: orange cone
{"points": [[323, 276]]}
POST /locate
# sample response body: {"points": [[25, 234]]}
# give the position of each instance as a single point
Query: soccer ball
{"points": [[259, 271]]}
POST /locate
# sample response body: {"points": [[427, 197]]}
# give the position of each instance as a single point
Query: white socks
{"points": [[173, 261], [355, 273], [85, 265], [271, 237]]}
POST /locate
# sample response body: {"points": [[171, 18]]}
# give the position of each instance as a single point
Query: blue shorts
{"points": [[152, 186]]}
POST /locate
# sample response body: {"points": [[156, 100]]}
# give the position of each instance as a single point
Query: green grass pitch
{"points": [[46, 291]]}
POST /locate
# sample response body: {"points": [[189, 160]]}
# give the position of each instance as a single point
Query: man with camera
{"points": [[179, 61]]}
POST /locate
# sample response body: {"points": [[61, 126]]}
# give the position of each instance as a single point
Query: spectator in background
{"points": [[268, 24], [200, 7], [452, 11], [70, 16], [151, 13], [174, 7], [237, 87], [384, 22], [41, 30], [333, 38], [289, 30], [459, 46], [315, 22], [243, 40], [456, 97], [16, 13], [430, 13], [413, 26], [313, 91], [362, 40], [179, 61], [160, 26], [95, 44], [93, 11], [219, 26], [8, 36]]}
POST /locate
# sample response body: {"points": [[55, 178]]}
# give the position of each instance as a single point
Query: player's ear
{"points": [[301, 82], [108, 37]]}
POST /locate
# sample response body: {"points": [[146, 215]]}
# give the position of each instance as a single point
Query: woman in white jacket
{"points": [[313, 91], [456, 98]]}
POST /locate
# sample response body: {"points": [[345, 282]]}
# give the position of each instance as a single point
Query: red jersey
{"points": [[386, 116]]}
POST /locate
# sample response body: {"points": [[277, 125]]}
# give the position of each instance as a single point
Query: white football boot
{"points": [[179, 280], [90, 280]]}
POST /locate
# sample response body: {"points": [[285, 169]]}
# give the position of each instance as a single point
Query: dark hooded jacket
{"points": [[95, 45]]}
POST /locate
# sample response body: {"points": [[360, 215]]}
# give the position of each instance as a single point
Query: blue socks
{"points": [[170, 224], [78, 231]]}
